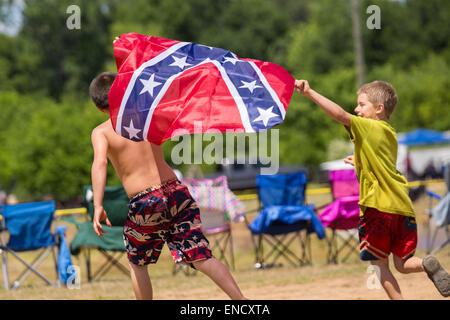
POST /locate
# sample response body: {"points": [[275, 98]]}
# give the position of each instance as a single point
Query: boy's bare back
{"points": [[139, 165]]}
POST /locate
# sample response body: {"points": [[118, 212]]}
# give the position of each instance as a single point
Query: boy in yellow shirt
{"points": [[387, 222]]}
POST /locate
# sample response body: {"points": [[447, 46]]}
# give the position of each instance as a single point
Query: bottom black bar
{"points": [[219, 309]]}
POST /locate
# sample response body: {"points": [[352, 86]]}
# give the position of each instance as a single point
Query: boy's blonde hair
{"points": [[381, 92]]}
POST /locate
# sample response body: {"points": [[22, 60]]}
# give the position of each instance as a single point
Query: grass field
{"points": [[317, 281]]}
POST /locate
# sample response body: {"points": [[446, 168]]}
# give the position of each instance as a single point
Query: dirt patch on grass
{"points": [[354, 287]]}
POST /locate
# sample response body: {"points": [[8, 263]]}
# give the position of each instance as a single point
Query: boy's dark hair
{"points": [[99, 89]]}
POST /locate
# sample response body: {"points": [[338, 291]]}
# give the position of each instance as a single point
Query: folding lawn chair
{"points": [[440, 215], [284, 217], [111, 246], [218, 208], [28, 227], [342, 215], [217, 228]]}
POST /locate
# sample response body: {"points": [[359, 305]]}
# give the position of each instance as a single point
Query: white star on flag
{"points": [[250, 85], [180, 62], [232, 60], [149, 85], [132, 131], [265, 115]]}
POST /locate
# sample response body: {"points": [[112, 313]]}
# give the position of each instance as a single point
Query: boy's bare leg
{"points": [[140, 279], [410, 265], [220, 274], [387, 279]]}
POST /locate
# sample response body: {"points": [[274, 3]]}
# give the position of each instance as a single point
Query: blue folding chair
{"points": [[28, 227], [284, 217]]}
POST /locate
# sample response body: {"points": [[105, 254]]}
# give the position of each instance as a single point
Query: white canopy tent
{"points": [[431, 151]]}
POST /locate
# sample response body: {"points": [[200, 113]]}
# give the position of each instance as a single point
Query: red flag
{"points": [[164, 86]]}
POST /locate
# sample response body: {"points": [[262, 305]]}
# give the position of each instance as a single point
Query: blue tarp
{"points": [[423, 137], [65, 267]]}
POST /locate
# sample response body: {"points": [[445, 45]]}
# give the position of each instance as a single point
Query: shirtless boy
{"points": [[160, 210]]}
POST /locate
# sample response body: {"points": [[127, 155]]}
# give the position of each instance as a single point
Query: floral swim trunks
{"points": [[165, 213]]}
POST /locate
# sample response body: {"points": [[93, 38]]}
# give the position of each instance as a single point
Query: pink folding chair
{"points": [[342, 215]]}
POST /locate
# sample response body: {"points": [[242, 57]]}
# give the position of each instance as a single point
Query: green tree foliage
{"points": [[250, 28], [13, 118], [7, 61], [409, 31], [423, 93], [55, 60], [322, 43], [51, 151]]}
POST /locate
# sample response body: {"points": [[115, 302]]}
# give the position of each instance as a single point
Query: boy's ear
{"points": [[380, 108]]}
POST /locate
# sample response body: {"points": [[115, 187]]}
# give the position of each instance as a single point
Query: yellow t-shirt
{"points": [[382, 186]]}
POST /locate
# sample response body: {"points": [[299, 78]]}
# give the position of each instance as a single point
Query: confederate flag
{"points": [[164, 85]]}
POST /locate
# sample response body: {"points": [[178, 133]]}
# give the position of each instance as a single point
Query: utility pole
{"points": [[357, 41]]}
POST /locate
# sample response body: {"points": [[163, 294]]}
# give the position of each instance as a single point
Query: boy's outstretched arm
{"points": [[330, 108]]}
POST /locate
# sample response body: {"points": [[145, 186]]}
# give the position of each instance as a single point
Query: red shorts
{"points": [[381, 233]]}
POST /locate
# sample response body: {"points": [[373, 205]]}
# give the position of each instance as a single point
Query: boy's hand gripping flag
{"points": [[163, 86]]}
